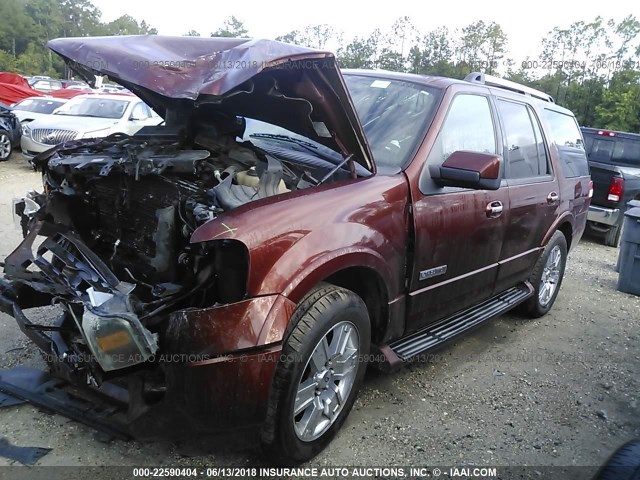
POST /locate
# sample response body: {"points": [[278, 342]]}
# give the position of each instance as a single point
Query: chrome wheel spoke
{"points": [[320, 355], [344, 366], [339, 341], [305, 395], [337, 393], [312, 416]]}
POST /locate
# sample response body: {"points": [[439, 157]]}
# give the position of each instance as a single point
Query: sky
{"points": [[525, 23]]}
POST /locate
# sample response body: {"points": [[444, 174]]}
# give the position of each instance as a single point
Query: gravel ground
{"points": [[558, 391]]}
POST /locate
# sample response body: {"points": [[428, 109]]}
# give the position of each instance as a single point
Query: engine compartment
{"points": [[117, 215]]}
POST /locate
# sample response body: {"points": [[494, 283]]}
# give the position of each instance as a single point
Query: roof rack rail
{"points": [[490, 80]]}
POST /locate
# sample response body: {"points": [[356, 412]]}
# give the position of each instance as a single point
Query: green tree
{"points": [[231, 27], [8, 62], [620, 105], [433, 54], [191, 33], [359, 53], [311, 36], [294, 37], [482, 46], [127, 25], [17, 28]]}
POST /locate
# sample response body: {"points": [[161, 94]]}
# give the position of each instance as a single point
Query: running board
{"points": [[444, 330]]}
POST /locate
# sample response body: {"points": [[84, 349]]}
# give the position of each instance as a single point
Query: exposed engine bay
{"points": [[109, 238]]}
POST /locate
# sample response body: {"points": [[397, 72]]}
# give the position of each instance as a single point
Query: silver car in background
{"points": [[87, 116]]}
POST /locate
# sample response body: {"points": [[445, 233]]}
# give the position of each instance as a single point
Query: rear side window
{"points": [[565, 134], [526, 154], [626, 152]]}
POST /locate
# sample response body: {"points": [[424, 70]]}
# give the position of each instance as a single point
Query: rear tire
{"points": [[319, 375], [5, 145], [546, 277], [612, 237]]}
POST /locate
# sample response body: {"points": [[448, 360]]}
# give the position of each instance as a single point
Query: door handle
{"points": [[494, 209], [552, 198]]}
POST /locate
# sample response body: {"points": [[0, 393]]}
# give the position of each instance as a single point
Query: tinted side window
{"points": [[468, 126], [626, 151], [565, 134], [526, 155]]}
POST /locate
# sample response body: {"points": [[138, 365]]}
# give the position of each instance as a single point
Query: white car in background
{"points": [[33, 108], [87, 116]]}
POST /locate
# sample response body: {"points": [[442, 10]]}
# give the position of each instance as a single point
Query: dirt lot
{"points": [[561, 390]]}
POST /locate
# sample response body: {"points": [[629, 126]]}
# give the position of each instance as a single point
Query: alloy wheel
{"points": [[326, 381], [550, 276], [5, 146]]}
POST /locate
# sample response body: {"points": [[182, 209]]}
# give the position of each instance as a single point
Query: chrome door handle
{"points": [[494, 209], [552, 198]]}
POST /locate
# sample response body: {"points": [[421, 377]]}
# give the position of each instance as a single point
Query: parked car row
{"points": [[86, 116], [39, 123]]}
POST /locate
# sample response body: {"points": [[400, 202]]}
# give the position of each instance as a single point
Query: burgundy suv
{"points": [[287, 224]]}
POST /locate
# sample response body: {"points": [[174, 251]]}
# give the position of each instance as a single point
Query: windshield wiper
{"points": [[304, 144], [286, 138]]}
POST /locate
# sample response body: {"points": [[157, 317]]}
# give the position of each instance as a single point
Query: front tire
{"points": [[5, 145], [624, 464], [319, 374], [546, 276]]}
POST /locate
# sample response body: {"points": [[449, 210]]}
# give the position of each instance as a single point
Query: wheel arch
{"points": [[370, 286], [567, 230], [563, 224]]}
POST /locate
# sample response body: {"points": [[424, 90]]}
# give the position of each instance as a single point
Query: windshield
{"points": [[94, 107], [37, 105], [394, 115]]}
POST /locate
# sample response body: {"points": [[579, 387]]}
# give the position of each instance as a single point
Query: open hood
{"points": [[297, 88]]}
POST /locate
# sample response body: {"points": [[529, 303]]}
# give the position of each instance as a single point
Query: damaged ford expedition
{"points": [[241, 263]]}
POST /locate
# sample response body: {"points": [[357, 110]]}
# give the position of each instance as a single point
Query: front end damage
{"points": [[146, 318], [149, 319]]}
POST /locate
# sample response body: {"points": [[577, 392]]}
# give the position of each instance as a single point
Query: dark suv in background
{"points": [[285, 221], [10, 131], [614, 159]]}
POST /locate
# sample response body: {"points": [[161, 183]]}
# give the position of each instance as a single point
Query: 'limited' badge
{"points": [[433, 272]]}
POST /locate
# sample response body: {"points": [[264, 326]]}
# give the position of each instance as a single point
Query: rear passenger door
{"points": [[534, 195]]}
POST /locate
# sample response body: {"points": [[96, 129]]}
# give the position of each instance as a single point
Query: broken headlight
{"points": [[117, 340]]}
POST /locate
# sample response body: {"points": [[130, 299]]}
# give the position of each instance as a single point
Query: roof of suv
{"points": [[494, 84]]}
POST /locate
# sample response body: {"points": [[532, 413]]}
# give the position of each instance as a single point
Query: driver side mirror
{"points": [[480, 171], [136, 117]]}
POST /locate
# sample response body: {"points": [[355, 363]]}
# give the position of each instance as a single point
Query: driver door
{"points": [[458, 231]]}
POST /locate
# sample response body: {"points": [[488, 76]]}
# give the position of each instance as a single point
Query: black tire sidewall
{"points": [[624, 464], [534, 308], [612, 237], [292, 450]]}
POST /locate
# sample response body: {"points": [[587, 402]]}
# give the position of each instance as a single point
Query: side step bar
{"points": [[435, 335]]}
